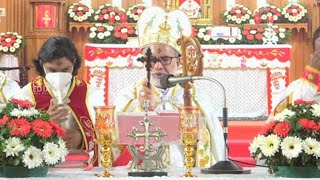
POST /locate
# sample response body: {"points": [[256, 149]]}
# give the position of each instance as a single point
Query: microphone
{"points": [[221, 167], [169, 80]]}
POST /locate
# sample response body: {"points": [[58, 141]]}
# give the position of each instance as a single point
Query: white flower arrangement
{"points": [[133, 13], [79, 12], [107, 13], [100, 31], [10, 42], [293, 13], [268, 12], [292, 140], [28, 137], [237, 14]]}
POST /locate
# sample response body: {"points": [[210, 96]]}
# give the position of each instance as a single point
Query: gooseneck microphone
{"points": [[221, 167], [169, 80]]}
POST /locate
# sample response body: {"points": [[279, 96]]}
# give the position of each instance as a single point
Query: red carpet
{"points": [[241, 134]]}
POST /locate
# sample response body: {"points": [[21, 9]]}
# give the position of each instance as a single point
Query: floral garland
{"points": [[108, 34], [238, 14], [294, 12], [291, 138], [10, 42], [79, 12], [108, 13], [247, 35], [133, 13], [29, 137], [268, 13]]}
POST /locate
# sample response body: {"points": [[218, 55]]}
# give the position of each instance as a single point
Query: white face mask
{"points": [[58, 80]]}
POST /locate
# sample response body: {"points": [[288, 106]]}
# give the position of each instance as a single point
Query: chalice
{"points": [[105, 127]]}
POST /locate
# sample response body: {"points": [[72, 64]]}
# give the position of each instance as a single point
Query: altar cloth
{"points": [[121, 173]]}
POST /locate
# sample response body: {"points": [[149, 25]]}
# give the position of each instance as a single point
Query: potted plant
{"points": [[289, 143], [30, 141]]}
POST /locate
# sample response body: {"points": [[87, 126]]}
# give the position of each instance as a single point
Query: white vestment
{"points": [[8, 88], [208, 153]]}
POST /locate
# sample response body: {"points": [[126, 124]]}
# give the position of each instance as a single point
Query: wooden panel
{"points": [[3, 19]]}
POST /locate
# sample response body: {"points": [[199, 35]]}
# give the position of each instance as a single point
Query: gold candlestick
{"points": [[105, 126], [189, 129]]}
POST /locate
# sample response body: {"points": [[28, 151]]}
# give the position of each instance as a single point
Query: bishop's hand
{"points": [[145, 93]]}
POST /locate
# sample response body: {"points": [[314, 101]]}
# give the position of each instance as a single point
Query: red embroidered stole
{"points": [[78, 106]]}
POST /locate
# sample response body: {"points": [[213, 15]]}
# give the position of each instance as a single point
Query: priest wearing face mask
{"points": [[62, 94], [160, 31]]}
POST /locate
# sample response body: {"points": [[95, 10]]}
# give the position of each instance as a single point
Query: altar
{"points": [[254, 76], [121, 172]]}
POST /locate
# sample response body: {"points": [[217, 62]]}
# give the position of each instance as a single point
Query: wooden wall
{"points": [[18, 16]]}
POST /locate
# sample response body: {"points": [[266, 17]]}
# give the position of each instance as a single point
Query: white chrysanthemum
{"points": [[109, 28], [206, 37], [282, 35], [117, 18], [256, 143], [63, 149], [12, 49], [13, 146], [5, 49], [311, 146], [16, 45], [291, 147], [92, 35], [202, 30], [316, 109], [2, 106], [32, 157], [200, 35], [124, 30], [51, 153], [285, 113], [93, 29], [232, 40], [107, 33], [100, 35], [18, 41], [253, 32], [270, 145]]}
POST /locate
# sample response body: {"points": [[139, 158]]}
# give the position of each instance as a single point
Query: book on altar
{"points": [[167, 121], [75, 159]]}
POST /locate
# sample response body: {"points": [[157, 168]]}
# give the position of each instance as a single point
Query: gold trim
{"points": [[203, 115], [1, 89], [80, 127], [31, 94], [312, 69]]}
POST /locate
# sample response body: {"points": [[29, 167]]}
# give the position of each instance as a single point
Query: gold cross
{"points": [[46, 18]]}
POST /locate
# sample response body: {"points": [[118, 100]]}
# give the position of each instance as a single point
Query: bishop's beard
{"points": [[156, 79]]}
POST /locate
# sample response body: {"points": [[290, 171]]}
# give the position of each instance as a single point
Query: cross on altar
{"points": [[146, 134], [46, 18]]}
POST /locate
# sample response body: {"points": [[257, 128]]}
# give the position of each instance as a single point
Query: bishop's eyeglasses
{"points": [[164, 60]]}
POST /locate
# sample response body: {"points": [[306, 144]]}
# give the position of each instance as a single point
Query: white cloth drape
{"points": [[10, 60]]}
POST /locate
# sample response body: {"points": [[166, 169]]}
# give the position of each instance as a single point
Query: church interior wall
{"points": [[17, 18]]}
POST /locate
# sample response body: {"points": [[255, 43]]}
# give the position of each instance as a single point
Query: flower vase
{"points": [[297, 172], [20, 171], [10, 60]]}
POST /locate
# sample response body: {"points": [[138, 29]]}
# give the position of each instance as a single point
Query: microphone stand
{"points": [[225, 166]]}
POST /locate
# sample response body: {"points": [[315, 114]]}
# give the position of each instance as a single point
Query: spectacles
{"points": [[164, 60]]}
